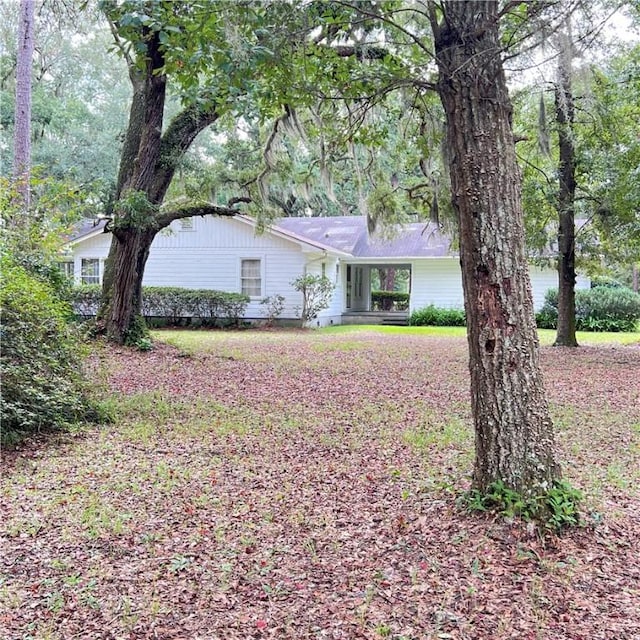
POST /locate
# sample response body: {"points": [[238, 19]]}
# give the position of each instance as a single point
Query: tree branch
{"points": [[176, 140], [192, 210]]}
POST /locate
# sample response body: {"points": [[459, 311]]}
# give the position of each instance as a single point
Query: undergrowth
{"points": [[555, 509]]}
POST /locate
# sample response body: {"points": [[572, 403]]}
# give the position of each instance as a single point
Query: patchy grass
{"points": [[547, 336], [302, 484]]}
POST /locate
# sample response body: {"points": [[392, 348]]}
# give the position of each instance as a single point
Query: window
{"points": [[251, 278], [66, 268], [324, 269], [90, 271]]}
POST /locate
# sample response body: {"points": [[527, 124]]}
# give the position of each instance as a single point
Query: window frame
{"points": [[95, 278], [260, 278], [68, 268]]}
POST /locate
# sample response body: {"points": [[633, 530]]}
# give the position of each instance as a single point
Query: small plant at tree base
{"points": [[555, 508], [143, 344], [274, 306], [316, 295]]}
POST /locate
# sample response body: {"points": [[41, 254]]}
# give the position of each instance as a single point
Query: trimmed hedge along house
{"points": [[229, 254]]}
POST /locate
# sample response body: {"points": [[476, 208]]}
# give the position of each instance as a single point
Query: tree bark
{"points": [[147, 165], [514, 432], [120, 316], [566, 332], [22, 128]]}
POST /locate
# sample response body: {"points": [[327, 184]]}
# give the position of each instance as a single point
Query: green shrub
{"points": [[174, 304], [556, 508], [85, 299], [42, 385], [433, 316], [389, 300], [547, 317], [602, 308], [316, 295]]}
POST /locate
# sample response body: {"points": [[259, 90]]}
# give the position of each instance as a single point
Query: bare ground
{"points": [[302, 485]]}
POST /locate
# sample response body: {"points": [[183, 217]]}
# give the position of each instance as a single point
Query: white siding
{"points": [[96, 247], [544, 279], [438, 281], [208, 257]]}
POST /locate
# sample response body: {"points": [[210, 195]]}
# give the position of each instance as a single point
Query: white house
{"points": [[229, 254]]}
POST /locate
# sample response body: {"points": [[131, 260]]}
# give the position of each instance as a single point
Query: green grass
{"points": [[444, 332], [547, 336], [281, 454]]}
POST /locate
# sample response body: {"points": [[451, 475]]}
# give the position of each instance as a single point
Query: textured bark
{"points": [[514, 433], [22, 129], [566, 334], [148, 163], [119, 317]]}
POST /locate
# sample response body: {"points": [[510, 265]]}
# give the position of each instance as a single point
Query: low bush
{"points": [[556, 508], [602, 308], [433, 316], [85, 299], [42, 385], [174, 304], [389, 300]]}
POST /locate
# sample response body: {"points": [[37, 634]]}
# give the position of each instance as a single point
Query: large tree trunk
{"points": [[514, 433], [566, 333], [22, 128], [120, 315], [147, 165]]}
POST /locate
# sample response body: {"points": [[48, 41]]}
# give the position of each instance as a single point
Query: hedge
{"points": [[389, 300], [173, 303], [437, 317], [603, 308]]}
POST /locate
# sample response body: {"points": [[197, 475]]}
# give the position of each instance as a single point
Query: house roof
{"points": [[347, 235], [85, 229]]}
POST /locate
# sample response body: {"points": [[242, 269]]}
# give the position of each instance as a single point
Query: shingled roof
{"points": [[350, 235], [347, 234]]}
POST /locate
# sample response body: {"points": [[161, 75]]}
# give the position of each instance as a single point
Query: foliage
{"points": [[556, 508], [316, 295], [77, 113], [386, 300], [602, 308], [273, 307], [607, 99], [175, 304], [437, 317], [42, 385]]}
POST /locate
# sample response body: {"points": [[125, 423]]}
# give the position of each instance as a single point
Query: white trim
{"points": [[262, 260]]}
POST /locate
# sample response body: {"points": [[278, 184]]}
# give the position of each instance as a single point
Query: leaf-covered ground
{"points": [[297, 485]]}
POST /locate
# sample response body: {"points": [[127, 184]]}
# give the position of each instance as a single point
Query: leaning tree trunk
{"points": [[134, 223], [514, 433], [147, 165], [566, 332]]}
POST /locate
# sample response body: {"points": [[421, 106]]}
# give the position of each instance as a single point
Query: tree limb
{"points": [[191, 210], [176, 140]]}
